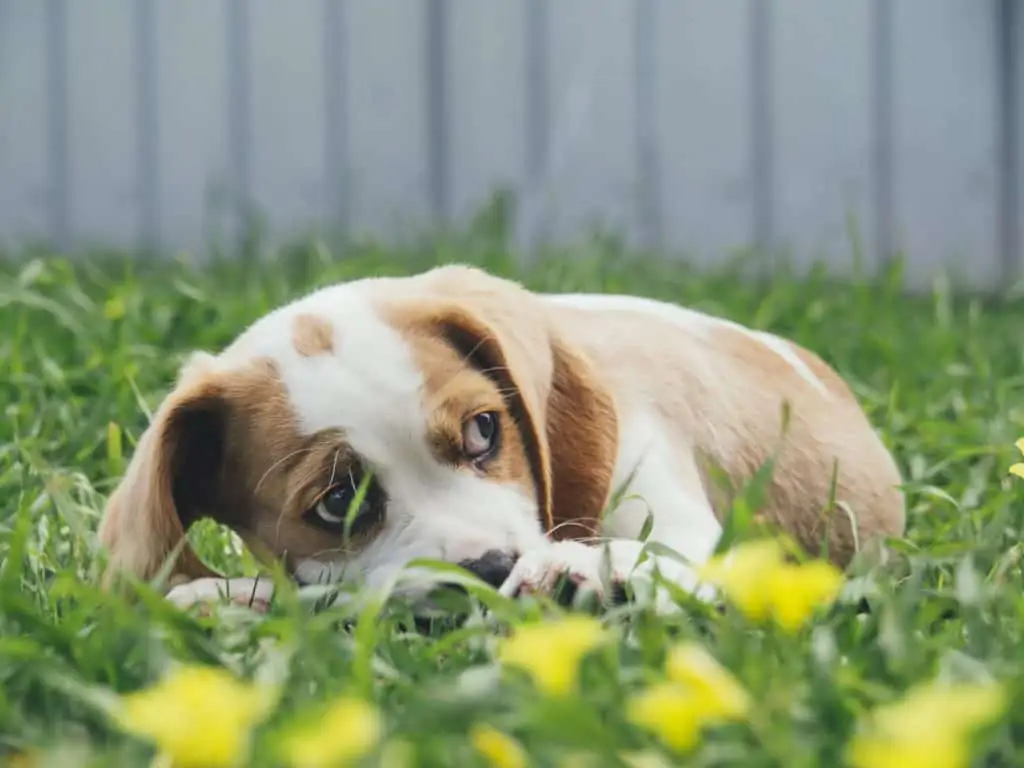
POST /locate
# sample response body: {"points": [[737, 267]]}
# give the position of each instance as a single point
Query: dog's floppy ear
{"points": [[171, 481], [566, 417], [583, 433]]}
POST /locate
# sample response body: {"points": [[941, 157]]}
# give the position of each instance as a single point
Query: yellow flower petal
{"points": [[762, 584], [799, 590], [1017, 469], [952, 709], [719, 693], [498, 749], [928, 728], [550, 652], [740, 574], [346, 731], [937, 752], [670, 712], [199, 716], [1020, 445]]}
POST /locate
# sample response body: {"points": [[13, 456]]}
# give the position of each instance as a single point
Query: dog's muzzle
{"points": [[493, 567]]}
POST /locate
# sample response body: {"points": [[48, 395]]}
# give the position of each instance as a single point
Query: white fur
{"points": [[694, 321], [681, 519], [370, 388], [241, 591]]}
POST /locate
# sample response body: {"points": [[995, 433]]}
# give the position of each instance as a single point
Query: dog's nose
{"points": [[493, 567]]}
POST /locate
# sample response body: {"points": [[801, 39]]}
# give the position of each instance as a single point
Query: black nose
{"points": [[493, 567]]}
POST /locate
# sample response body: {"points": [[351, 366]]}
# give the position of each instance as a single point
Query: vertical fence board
{"points": [[335, 36], [1017, 266], [822, 129], [880, 55], [287, 112], [388, 129], [943, 69], [590, 175], [1007, 26], [24, 183], [147, 123], [102, 124], [703, 127], [193, 151], [487, 120]]}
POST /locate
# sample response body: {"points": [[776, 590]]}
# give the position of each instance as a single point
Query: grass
{"points": [[89, 347]]}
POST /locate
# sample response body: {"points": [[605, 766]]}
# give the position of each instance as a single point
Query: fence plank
{"points": [[193, 153], [944, 132], [102, 125], [24, 162], [1008, 31], [822, 131], [147, 123], [590, 174], [388, 126], [287, 117], [486, 126], [703, 127]]}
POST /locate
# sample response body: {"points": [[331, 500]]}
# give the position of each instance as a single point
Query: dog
{"points": [[455, 415]]}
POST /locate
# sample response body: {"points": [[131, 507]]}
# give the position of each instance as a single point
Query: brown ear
{"points": [[566, 418], [583, 436], [171, 482]]}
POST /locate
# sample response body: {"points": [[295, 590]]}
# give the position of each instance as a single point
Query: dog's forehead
{"points": [[343, 367]]}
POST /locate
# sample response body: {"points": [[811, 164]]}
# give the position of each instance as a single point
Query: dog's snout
{"points": [[493, 567]]}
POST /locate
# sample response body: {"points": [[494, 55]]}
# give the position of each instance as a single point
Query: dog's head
{"points": [[373, 423]]}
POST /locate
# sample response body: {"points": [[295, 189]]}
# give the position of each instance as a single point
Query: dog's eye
{"points": [[480, 435], [351, 502]]}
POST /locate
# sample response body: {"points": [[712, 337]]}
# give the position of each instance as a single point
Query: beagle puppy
{"points": [[456, 416]]}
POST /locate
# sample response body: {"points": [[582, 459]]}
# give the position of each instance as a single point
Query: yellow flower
{"points": [[197, 716], [550, 652], [699, 692], [740, 574], [344, 732], [498, 749], [719, 694], [928, 728], [798, 590], [670, 712], [758, 580], [1018, 469]]}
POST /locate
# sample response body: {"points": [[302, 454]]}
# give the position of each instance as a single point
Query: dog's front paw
{"points": [[251, 593], [564, 569]]}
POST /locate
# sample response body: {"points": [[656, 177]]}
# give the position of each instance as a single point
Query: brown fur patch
{"points": [[562, 414], [453, 393], [312, 335], [224, 445]]}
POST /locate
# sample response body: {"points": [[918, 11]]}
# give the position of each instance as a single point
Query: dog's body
{"points": [[490, 426]]}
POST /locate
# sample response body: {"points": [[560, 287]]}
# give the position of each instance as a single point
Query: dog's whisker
{"points": [[278, 463]]}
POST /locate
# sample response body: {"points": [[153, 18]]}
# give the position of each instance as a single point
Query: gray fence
{"points": [[697, 126]]}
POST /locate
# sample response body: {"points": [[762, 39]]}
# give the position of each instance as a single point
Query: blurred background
{"points": [[797, 129]]}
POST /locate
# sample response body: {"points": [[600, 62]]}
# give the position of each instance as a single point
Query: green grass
{"points": [[88, 348]]}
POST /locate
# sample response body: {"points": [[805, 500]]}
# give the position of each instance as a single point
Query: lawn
{"points": [[88, 348]]}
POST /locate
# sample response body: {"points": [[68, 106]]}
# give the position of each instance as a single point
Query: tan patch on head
{"points": [[453, 393], [224, 445], [475, 333], [312, 335]]}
